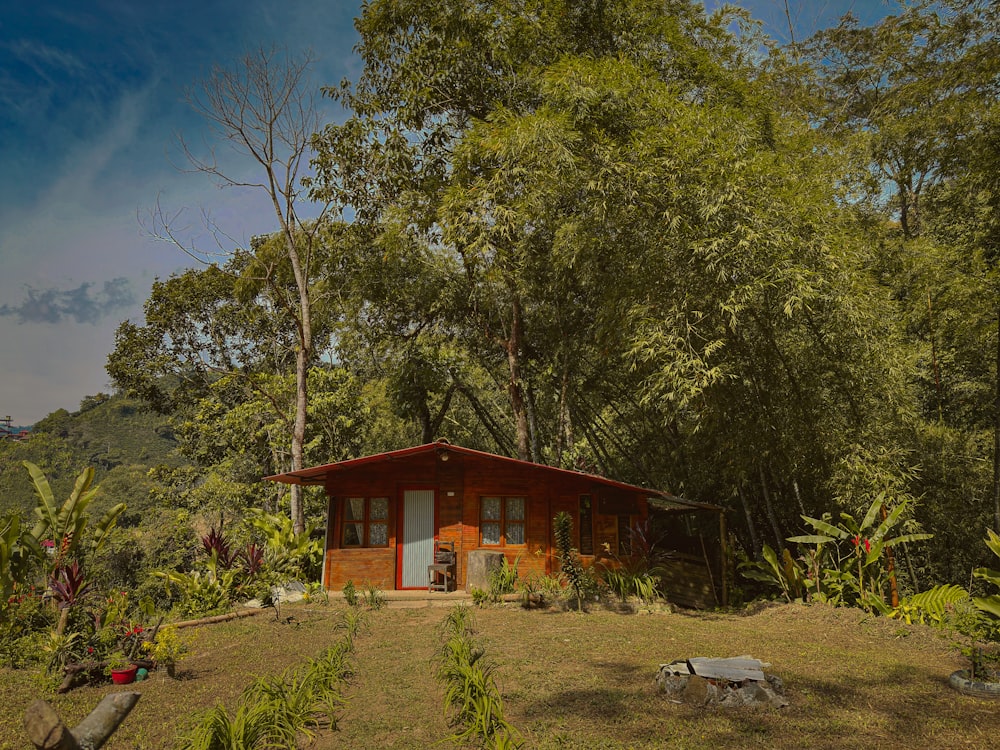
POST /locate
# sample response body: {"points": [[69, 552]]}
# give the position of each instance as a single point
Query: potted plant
{"points": [[167, 649], [121, 668]]}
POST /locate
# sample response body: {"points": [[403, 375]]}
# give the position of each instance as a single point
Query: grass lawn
{"points": [[576, 681]]}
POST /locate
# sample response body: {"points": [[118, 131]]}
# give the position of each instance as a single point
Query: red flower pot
{"points": [[124, 676]]}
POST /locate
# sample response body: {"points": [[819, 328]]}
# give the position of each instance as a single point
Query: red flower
{"points": [[856, 540], [868, 545]]}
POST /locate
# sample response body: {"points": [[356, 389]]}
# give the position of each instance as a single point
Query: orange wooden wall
{"points": [[459, 483]]}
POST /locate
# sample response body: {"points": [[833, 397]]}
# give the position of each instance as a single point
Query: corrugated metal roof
{"points": [[317, 475]]}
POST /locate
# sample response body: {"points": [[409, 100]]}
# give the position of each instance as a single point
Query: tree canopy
{"points": [[630, 237]]}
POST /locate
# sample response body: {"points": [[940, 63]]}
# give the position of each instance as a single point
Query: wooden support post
{"points": [[47, 732], [723, 557]]}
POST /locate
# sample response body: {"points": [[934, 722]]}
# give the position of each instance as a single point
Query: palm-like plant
{"points": [[989, 604], [868, 542], [19, 553], [66, 524]]}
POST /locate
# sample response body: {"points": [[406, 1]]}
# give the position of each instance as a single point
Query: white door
{"points": [[418, 537]]}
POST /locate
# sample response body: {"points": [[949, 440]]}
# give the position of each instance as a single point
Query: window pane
{"points": [[352, 534], [515, 508], [515, 533], [354, 509], [491, 508], [378, 535], [491, 533], [378, 508]]}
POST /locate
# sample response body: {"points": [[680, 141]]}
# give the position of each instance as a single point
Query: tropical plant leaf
{"points": [[988, 574], [873, 510], [990, 604], [810, 539], [891, 519], [993, 541], [905, 538], [935, 600], [825, 527]]}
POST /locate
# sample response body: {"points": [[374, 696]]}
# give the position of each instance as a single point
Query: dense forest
{"points": [[622, 236]]}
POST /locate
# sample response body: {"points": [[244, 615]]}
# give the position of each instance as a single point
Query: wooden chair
{"points": [[441, 574]]}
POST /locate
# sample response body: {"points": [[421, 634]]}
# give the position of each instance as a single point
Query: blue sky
{"points": [[91, 101]]}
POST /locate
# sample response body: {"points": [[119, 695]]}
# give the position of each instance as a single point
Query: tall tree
{"points": [[265, 109], [437, 77]]}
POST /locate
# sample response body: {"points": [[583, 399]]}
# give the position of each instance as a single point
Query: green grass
{"points": [[571, 680]]}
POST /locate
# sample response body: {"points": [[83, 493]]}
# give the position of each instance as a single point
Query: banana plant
{"points": [[786, 573], [869, 540], [19, 553], [66, 524], [989, 604]]}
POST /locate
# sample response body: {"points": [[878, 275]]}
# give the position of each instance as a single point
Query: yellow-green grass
{"points": [[572, 680]]}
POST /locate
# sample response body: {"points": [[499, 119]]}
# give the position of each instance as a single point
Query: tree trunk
{"points": [[564, 430], [435, 424], [47, 732], [302, 358], [770, 509], [751, 526], [529, 405], [996, 434], [515, 387], [299, 438]]}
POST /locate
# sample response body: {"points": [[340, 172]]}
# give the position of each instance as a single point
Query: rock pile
{"points": [[737, 681]]}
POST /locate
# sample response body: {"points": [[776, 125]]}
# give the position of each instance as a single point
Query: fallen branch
{"points": [[47, 732], [217, 618]]}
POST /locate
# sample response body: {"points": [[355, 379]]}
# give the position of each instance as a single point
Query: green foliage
{"points": [[989, 604], [274, 711], [786, 574], [291, 555], [167, 648], [626, 583], [20, 555], [66, 525], [846, 565], [24, 628], [569, 560], [932, 606], [201, 592], [503, 580], [374, 598], [350, 594], [539, 590], [315, 591], [472, 700], [120, 438]]}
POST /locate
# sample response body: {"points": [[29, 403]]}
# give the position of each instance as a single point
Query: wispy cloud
{"points": [[80, 304]]}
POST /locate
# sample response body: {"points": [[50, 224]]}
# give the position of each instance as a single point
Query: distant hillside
{"points": [[108, 433]]}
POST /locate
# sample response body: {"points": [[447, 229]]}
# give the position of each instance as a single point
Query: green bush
{"points": [[350, 594], [503, 580]]}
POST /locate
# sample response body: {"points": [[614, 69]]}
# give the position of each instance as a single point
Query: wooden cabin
{"points": [[389, 515]]}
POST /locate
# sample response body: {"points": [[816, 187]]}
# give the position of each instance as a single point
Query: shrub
{"points": [[471, 694], [350, 594], [503, 580], [274, 710], [569, 560]]}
